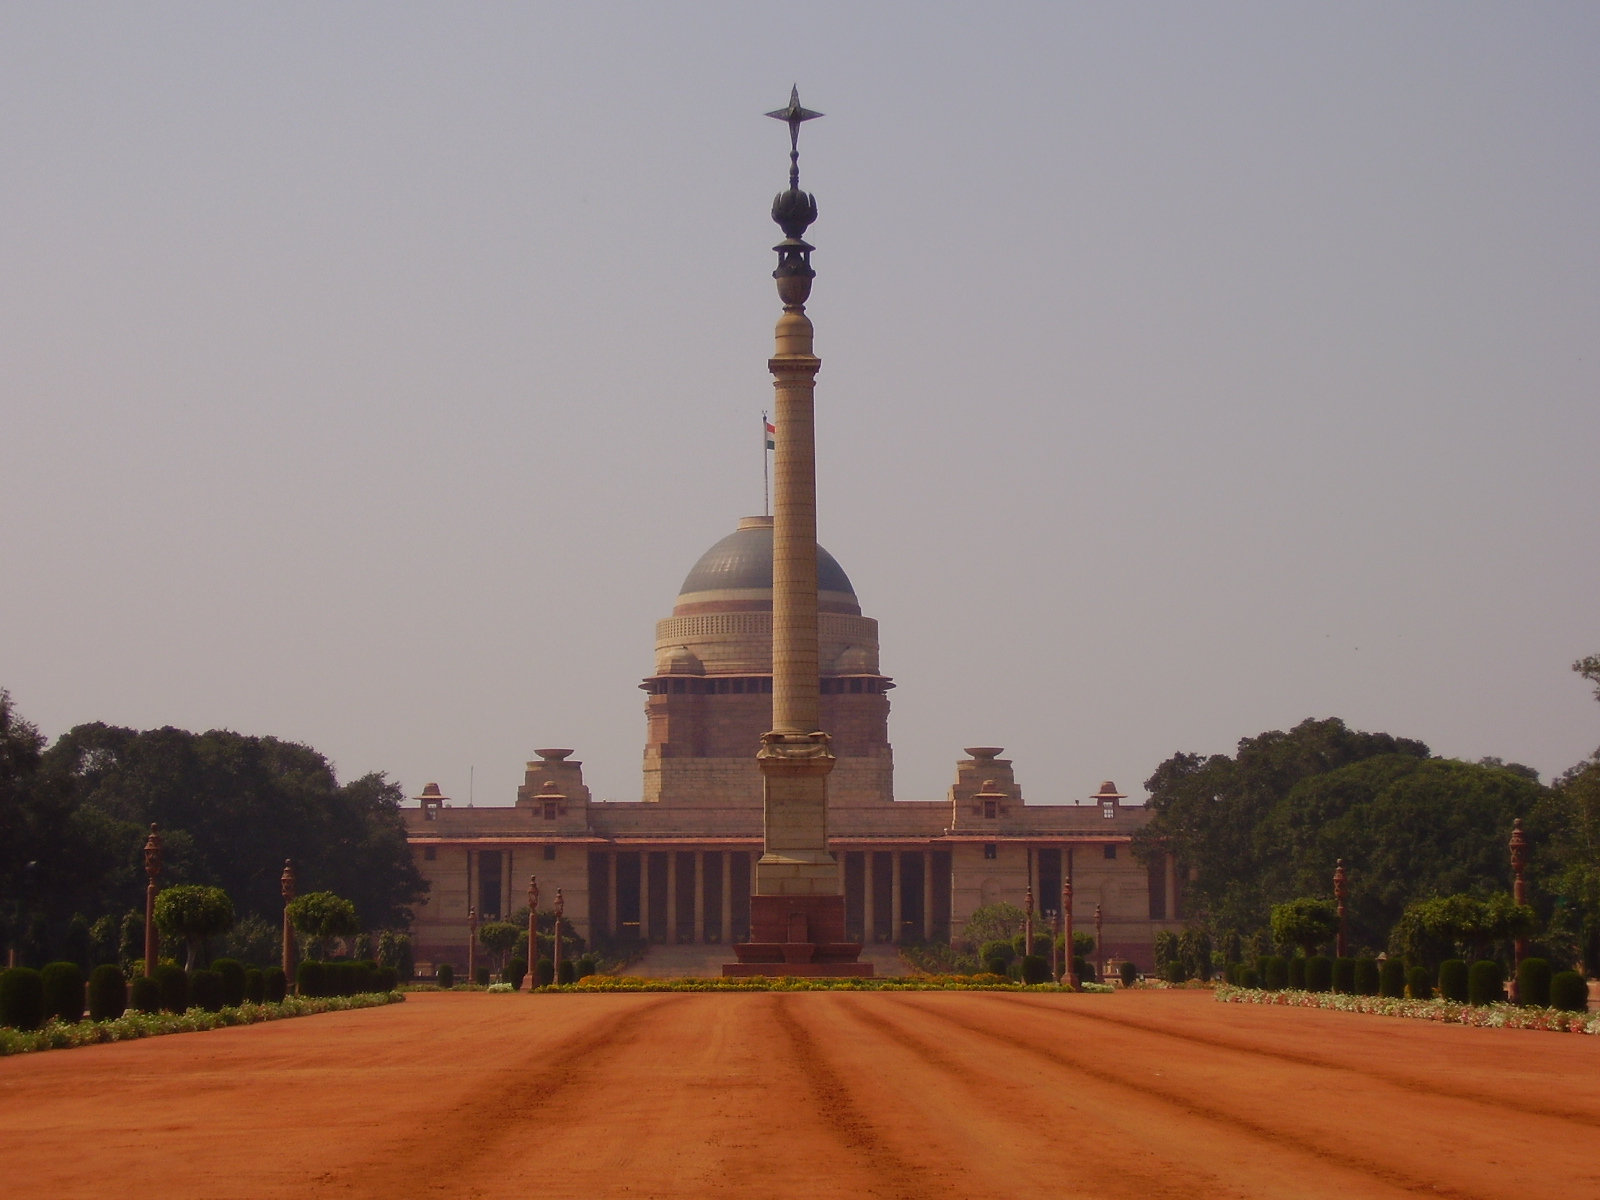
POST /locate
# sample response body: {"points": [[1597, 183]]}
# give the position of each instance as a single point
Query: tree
{"points": [[498, 937], [322, 915], [194, 913], [1306, 922], [995, 923], [1432, 929]]}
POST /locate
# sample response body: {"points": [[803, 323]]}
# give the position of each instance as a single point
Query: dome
{"points": [[743, 561]]}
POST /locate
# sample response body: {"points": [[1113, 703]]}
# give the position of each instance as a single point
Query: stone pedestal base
{"points": [[797, 935]]}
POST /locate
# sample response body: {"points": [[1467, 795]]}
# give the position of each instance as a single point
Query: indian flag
{"points": [[772, 432]]}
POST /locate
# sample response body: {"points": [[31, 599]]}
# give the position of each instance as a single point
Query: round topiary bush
{"points": [[1319, 973], [481, 977], [1453, 980], [232, 972], [446, 975], [1366, 981], [1247, 975], [1569, 992], [1297, 973], [276, 984], [1128, 972], [144, 994], [174, 985], [1392, 979], [1419, 984], [108, 993], [255, 985], [1277, 974], [1035, 968], [1175, 972], [1486, 982], [544, 973], [1344, 976], [515, 972], [63, 992], [565, 972], [205, 990], [995, 966], [21, 998], [311, 979], [1002, 950], [1533, 983], [585, 966]]}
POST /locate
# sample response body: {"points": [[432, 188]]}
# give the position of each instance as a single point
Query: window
{"points": [[1108, 811], [549, 854], [1111, 849], [549, 812], [991, 809], [990, 850], [429, 853]]}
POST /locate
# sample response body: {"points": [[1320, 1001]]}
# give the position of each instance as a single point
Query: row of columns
{"points": [[726, 914], [896, 894]]}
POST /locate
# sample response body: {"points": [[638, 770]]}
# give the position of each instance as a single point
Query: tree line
{"points": [[232, 808]]}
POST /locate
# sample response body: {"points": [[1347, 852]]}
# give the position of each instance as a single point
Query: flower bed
{"points": [[792, 983], [1490, 1016], [54, 1035]]}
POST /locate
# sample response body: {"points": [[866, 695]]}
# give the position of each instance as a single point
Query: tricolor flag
{"points": [[772, 433]]}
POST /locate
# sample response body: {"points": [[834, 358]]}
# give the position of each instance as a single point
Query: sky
{"points": [[372, 374]]}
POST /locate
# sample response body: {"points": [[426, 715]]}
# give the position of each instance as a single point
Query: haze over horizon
{"points": [[375, 373]]}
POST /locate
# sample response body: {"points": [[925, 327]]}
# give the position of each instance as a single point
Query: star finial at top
{"points": [[795, 116]]}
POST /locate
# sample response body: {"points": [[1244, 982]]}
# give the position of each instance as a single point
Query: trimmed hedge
{"points": [[1297, 973], [481, 977], [174, 984], [446, 975], [144, 995], [1277, 973], [1129, 973], [1486, 982], [565, 972], [1453, 980], [1392, 979], [108, 993], [516, 971], [1569, 992], [309, 979], [1035, 969], [232, 972], [1247, 976], [21, 998], [1319, 973], [1366, 982], [255, 985], [585, 967], [63, 992], [277, 984], [1533, 983], [205, 990], [1419, 984], [1344, 976]]}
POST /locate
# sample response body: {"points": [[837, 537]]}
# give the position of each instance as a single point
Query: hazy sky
{"points": [[373, 374]]}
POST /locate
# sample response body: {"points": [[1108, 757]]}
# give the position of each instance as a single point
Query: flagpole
{"points": [[766, 488]]}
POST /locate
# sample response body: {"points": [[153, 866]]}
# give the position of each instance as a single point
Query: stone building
{"points": [[676, 866]]}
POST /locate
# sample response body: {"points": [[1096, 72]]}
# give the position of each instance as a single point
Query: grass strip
{"points": [[56, 1035], [1447, 1012]]}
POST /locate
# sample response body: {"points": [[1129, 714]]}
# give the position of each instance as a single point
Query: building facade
{"points": [[676, 866]]}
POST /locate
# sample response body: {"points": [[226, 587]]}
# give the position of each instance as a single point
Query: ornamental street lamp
{"points": [[1519, 862], [1054, 920], [472, 943], [555, 953], [1341, 940], [1070, 973], [152, 868], [1099, 944], [1027, 923], [533, 929], [286, 886]]}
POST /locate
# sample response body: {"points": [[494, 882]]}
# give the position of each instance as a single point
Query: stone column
{"points": [[727, 897], [672, 897], [1171, 865], [699, 897], [152, 868], [869, 923], [644, 895], [506, 877], [896, 916], [613, 918], [927, 894], [286, 887]]}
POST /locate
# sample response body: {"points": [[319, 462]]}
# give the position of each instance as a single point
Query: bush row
{"points": [[344, 978], [1479, 983], [59, 992]]}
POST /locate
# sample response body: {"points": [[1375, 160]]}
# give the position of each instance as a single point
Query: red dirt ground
{"points": [[911, 1095]]}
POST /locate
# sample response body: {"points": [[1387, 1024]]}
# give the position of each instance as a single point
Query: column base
{"points": [[797, 935]]}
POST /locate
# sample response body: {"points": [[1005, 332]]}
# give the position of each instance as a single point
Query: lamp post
{"points": [[1027, 922], [152, 868], [1519, 886], [1054, 918], [533, 929], [555, 950], [1070, 973], [1099, 946], [472, 943], [286, 886], [1341, 941]]}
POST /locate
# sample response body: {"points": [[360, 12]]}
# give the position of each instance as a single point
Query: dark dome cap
{"points": [[743, 560]]}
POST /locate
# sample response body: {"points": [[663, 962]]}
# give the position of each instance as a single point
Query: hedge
{"points": [[1392, 979], [255, 985], [1344, 976], [1453, 980], [1367, 979], [63, 991], [1277, 973], [1569, 992], [277, 984], [1486, 982], [232, 972], [1129, 973], [174, 985], [446, 975], [21, 998], [1533, 983], [108, 993], [144, 995], [1297, 973], [1419, 984], [1319, 973]]}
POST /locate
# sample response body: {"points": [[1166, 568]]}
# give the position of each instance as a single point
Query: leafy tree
{"points": [[1438, 928], [994, 923], [498, 937], [193, 913], [1306, 922], [322, 915]]}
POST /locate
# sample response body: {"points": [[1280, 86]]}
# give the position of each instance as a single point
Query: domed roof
{"points": [[743, 560]]}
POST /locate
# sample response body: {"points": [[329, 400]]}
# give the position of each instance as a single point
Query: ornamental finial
{"points": [[794, 210]]}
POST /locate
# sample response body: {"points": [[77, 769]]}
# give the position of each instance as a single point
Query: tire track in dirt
{"points": [[1204, 1110], [1394, 1079], [898, 1177], [462, 1138], [994, 1093]]}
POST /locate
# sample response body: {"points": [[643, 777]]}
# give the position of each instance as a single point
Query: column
{"points": [[927, 893], [1172, 887], [895, 917], [612, 919], [644, 894], [727, 897], [672, 897], [699, 897], [506, 877], [869, 910]]}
